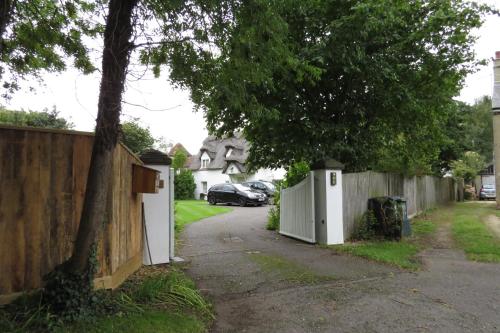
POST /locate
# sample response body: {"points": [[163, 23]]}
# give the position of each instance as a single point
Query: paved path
{"points": [[449, 295]]}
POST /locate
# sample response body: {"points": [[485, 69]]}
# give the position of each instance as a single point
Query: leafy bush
{"points": [[44, 119], [364, 227], [296, 173], [468, 166], [273, 219], [184, 185], [136, 137]]}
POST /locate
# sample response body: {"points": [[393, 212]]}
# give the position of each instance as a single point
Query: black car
{"points": [[267, 188], [235, 194]]}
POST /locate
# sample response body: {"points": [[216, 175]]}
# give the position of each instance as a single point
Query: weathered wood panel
{"points": [[43, 176], [421, 193]]}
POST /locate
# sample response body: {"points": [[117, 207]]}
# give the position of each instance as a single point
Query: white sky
{"points": [[75, 96]]}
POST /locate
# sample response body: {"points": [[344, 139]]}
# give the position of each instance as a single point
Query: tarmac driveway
{"points": [[243, 268]]}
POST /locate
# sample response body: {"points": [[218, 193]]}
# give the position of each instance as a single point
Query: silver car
{"points": [[487, 191]]}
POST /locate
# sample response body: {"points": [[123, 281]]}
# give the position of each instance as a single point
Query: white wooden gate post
{"points": [[328, 202], [158, 212]]}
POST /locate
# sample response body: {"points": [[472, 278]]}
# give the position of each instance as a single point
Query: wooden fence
{"points": [[43, 176], [421, 193]]}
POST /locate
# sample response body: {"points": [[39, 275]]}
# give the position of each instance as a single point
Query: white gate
{"points": [[297, 211]]}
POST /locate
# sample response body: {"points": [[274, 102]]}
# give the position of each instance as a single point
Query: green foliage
{"points": [[150, 321], [184, 185], [44, 35], [157, 302], [273, 218], [364, 227], [136, 137], [44, 119], [467, 128], [401, 254], [307, 80], [179, 160], [296, 173], [174, 290], [468, 166]]}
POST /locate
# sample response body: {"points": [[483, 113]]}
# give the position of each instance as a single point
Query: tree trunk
{"points": [[6, 7], [117, 48]]}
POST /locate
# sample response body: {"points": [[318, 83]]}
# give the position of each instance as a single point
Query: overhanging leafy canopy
{"points": [[310, 79]]}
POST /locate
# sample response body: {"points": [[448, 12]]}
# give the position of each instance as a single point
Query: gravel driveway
{"points": [[350, 294]]}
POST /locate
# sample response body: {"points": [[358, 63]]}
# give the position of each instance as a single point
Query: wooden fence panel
{"points": [[43, 176], [421, 193]]}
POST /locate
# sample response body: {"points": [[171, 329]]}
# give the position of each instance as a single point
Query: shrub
{"points": [[273, 219], [184, 185], [296, 173], [364, 228]]}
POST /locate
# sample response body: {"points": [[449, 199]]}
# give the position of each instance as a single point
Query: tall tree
{"points": [[136, 137], [305, 80], [117, 47], [179, 159]]}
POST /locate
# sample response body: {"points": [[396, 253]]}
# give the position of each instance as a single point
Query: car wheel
{"points": [[242, 202], [212, 201]]}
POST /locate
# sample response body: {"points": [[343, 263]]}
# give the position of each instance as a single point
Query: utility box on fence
{"points": [[391, 215]]}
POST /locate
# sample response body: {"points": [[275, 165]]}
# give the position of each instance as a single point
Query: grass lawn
{"points": [[154, 300], [189, 211], [150, 321], [401, 254], [472, 235]]}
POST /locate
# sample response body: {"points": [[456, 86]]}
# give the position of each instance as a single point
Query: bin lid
{"points": [[385, 198]]}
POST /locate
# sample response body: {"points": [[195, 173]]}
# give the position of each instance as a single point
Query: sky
{"points": [[75, 96]]}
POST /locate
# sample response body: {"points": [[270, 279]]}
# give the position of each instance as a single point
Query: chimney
{"points": [[495, 109]]}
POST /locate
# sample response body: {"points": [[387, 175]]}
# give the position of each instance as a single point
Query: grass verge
{"points": [[152, 300], [286, 270], [189, 211], [472, 235], [403, 253]]}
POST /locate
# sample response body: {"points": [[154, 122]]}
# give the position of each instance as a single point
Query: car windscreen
{"points": [[240, 187], [270, 186], [489, 187]]}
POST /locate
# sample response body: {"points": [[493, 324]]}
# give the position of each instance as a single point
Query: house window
{"points": [[204, 187], [204, 163]]}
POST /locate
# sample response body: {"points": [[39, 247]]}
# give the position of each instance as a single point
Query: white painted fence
{"points": [[297, 211]]}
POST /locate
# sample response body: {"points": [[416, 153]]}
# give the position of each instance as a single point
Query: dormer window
{"points": [[229, 152], [205, 160], [204, 163]]}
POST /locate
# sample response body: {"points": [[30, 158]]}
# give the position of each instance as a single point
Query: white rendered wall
{"points": [[268, 174], [157, 213], [212, 177], [328, 208]]}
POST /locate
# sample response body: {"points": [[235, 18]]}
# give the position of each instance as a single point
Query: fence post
{"points": [[328, 203]]}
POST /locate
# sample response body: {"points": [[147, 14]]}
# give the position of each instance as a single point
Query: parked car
{"points": [[235, 194], [267, 188], [487, 191]]}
